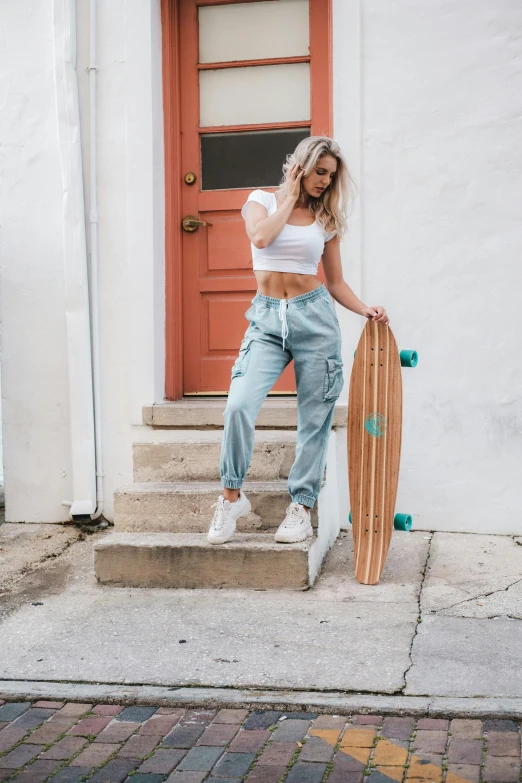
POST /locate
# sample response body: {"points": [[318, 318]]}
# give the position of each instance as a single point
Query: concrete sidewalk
{"points": [[443, 622]]}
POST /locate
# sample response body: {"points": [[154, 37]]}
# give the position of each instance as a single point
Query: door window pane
{"points": [[254, 31], [247, 159], [256, 94]]}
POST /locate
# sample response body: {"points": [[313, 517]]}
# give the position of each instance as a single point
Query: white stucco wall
{"points": [[36, 422], [35, 405], [428, 105]]}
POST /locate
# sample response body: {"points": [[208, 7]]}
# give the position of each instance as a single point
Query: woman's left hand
{"points": [[378, 314]]}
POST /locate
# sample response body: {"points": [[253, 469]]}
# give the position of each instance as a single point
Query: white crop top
{"points": [[296, 249]]}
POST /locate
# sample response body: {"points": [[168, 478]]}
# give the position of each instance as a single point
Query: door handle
{"points": [[191, 223]]}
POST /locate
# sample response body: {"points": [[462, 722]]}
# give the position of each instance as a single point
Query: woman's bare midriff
{"points": [[285, 285]]}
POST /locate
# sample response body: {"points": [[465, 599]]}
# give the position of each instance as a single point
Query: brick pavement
{"points": [[107, 743]]}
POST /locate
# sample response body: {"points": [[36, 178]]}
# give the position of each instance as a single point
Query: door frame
{"points": [[321, 89]]}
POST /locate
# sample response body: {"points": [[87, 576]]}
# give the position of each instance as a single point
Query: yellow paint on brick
{"points": [[419, 771], [395, 773], [359, 738], [360, 754], [357, 743], [331, 736], [423, 780], [452, 778], [390, 754]]}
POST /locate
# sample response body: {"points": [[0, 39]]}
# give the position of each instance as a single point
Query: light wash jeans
{"points": [[306, 329]]}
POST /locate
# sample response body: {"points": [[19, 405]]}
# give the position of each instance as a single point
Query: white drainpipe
{"points": [[93, 219], [82, 345]]}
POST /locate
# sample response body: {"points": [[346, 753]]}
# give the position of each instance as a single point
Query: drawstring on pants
{"points": [[283, 306]]}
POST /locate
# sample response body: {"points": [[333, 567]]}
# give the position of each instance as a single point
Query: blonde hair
{"points": [[332, 207]]}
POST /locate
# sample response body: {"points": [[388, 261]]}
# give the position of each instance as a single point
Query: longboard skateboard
{"points": [[374, 447]]}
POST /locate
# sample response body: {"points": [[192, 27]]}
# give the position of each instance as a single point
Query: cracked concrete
{"points": [[469, 568], [419, 616], [491, 605], [338, 636], [463, 656], [25, 546], [470, 639]]}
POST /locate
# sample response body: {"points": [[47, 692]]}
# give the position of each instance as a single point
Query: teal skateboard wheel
{"points": [[409, 358], [402, 522], [350, 517]]}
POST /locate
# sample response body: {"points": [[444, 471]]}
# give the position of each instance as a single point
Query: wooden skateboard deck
{"points": [[374, 447]]}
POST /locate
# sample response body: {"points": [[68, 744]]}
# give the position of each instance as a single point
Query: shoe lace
{"points": [[294, 515], [218, 522]]}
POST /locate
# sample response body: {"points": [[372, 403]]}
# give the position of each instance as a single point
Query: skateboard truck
{"points": [[400, 521], [408, 358]]}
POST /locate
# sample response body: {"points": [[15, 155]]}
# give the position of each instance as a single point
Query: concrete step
{"points": [[193, 455], [207, 413], [186, 507], [187, 560]]}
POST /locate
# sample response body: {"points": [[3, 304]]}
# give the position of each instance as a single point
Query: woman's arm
{"points": [[263, 228], [339, 288]]}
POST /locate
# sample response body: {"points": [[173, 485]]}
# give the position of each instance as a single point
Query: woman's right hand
{"points": [[295, 175]]}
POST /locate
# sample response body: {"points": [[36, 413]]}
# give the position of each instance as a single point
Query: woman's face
{"points": [[320, 177]]}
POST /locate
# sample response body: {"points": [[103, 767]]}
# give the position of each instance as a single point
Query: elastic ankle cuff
{"points": [[229, 483], [304, 500]]}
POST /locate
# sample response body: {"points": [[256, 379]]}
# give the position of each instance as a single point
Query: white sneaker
{"points": [[223, 525], [296, 526]]}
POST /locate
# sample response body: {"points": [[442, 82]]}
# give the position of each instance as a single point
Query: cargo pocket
{"points": [[241, 363], [333, 379]]}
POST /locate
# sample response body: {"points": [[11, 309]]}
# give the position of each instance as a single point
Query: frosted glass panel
{"points": [[257, 94], [254, 31]]}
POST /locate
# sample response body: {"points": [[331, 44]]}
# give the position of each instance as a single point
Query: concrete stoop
{"points": [[193, 455], [188, 560], [186, 507], [162, 519]]}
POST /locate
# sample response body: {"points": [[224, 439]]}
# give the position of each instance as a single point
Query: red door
{"points": [[254, 79]]}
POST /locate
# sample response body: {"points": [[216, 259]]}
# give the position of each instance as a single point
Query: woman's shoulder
{"points": [[261, 195], [327, 228], [264, 197], [329, 234]]}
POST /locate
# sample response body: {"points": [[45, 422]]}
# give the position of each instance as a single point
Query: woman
{"points": [[292, 316]]}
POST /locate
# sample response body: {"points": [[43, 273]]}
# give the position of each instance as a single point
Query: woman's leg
{"points": [[314, 425], [260, 363], [316, 346]]}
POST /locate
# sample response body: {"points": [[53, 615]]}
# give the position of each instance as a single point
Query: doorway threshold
{"points": [[207, 412]]}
